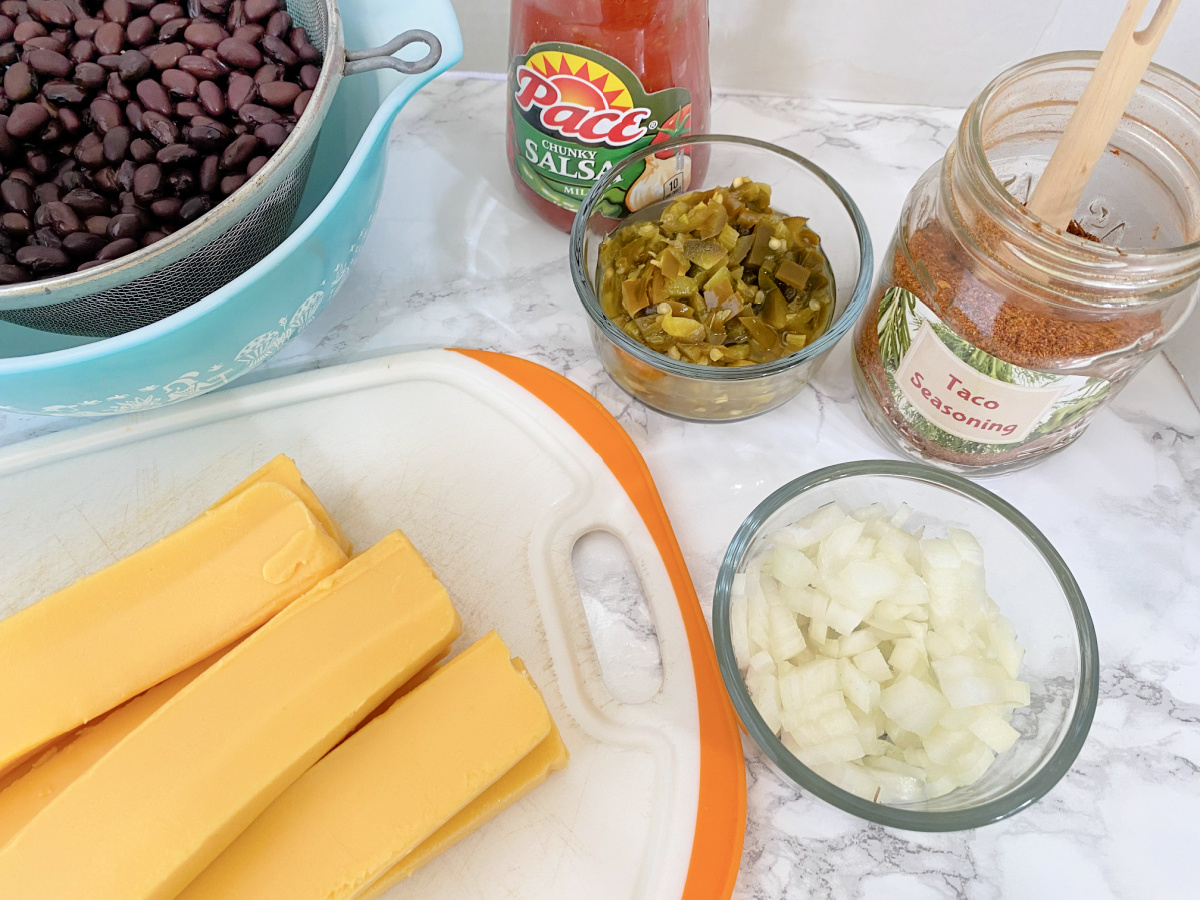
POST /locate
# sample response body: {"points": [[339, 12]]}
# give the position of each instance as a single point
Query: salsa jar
{"points": [[591, 82], [991, 339]]}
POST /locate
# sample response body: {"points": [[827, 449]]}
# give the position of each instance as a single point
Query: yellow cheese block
{"points": [[45, 778], [114, 634], [282, 470], [548, 756], [374, 799], [162, 804]]}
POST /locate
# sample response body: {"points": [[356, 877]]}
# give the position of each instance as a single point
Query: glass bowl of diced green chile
{"points": [[717, 273]]}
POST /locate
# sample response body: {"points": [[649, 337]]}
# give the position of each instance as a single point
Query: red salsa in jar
{"points": [[593, 81]]}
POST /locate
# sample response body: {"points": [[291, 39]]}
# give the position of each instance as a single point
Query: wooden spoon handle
{"points": [[1098, 112]]}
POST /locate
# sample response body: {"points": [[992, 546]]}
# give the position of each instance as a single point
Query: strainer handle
{"points": [[382, 57]]}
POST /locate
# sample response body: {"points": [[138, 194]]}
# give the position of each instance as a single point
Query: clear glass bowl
{"points": [[798, 187], [1025, 576]]}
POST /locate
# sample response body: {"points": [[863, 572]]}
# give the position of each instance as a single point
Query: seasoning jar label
{"points": [[577, 112], [964, 399]]}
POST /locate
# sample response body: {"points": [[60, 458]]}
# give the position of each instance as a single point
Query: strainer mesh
{"points": [[163, 292]]}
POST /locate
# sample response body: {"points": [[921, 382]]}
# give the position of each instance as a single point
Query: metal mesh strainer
{"points": [[186, 266]]}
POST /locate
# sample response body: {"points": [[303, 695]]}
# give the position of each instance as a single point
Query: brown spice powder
{"points": [[1018, 328]]}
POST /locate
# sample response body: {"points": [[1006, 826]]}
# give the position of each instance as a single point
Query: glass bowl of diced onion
{"points": [[905, 645]]}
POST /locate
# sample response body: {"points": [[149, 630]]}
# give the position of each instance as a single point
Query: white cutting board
{"points": [[494, 467]]}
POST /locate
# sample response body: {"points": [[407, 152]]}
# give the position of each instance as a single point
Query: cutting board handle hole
{"points": [[618, 617]]}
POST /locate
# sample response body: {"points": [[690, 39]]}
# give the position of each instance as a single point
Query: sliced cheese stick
{"points": [[282, 470], [162, 804], [108, 637], [45, 778], [373, 800], [547, 757]]}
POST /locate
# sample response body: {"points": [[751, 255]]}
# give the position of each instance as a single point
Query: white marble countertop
{"points": [[455, 259]]}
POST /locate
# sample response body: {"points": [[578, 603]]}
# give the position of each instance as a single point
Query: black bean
{"points": [[142, 150], [117, 11], [239, 152], [167, 56], [117, 249], [44, 237], [86, 203], [259, 9], [272, 135], [173, 154], [52, 12], [249, 33], [86, 27], [27, 30], [160, 127], [106, 179], [10, 274], [74, 181], [83, 51], [253, 114], [10, 52], [204, 34], [109, 38], [301, 103], [208, 137], [194, 207], [43, 194], [281, 94], [237, 12], [182, 181], [52, 134], [125, 225], [16, 224], [61, 217], [97, 225], [269, 72], [7, 26], [26, 119], [180, 83], [84, 244], [47, 62], [210, 174], [133, 64], [278, 50], [299, 42], [231, 183], [90, 75], [212, 98], [280, 24], [19, 83], [153, 97], [186, 109], [200, 66], [45, 42], [17, 196], [140, 31], [89, 152], [41, 259], [117, 89], [116, 143], [134, 113], [239, 53], [64, 93], [166, 208], [241, 91], [173, 30], [125, 173], [162, 13], [255, 164]]}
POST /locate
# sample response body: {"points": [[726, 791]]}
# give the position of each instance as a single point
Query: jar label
{"points": [[963, 398], [577, 112]]}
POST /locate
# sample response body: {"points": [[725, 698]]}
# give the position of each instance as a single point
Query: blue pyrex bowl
{"points": [[235, 329]]}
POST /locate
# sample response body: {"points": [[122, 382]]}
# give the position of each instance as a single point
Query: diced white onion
{"points": [[876, 654]]}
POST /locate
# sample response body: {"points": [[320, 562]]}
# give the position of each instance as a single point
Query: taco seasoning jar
{"points": [[591, 82], [991, 339]]}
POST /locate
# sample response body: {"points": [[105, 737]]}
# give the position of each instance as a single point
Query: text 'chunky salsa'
{"points": [[718, 278]]}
